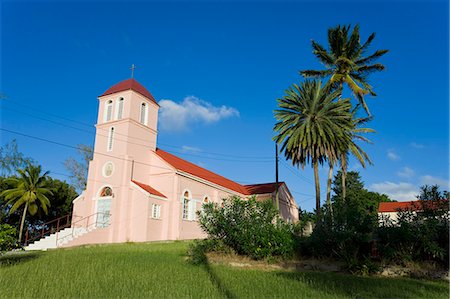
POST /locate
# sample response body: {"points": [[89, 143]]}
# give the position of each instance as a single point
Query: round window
{"points": [[108, 169]]}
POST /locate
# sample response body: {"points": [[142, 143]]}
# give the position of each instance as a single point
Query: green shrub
{"points": [[8, 237], [421, 236], [249, 227], [198, 248]]}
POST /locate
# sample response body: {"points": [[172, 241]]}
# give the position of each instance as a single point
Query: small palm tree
{"points": [[345, 61], [311, 125], [29, 189]]}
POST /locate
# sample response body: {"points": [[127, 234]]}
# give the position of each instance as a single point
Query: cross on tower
{"points": [[132, 70]]}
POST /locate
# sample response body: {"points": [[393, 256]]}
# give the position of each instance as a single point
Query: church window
{"points": [[156, 211], [119, 108], [144, 114], [110, 139], [188, 207], [108, 110], [106, 192], [205, 201], [108, 169]]}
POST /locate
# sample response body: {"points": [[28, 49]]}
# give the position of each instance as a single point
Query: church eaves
{"points": [[130, 84]]}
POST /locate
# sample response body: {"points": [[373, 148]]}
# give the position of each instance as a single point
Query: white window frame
{"points": [[185, 205], [108, 108], [156, 211], [110, 141], [143, 119], [119, 108]]}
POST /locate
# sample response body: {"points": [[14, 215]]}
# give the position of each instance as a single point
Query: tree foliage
{"points": [[249, 227], [29, 190], [312, 126], [12, 159], [345, 61], [78, 168]]}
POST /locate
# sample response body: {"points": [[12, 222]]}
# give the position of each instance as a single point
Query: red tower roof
{"points": [[130, 84]]}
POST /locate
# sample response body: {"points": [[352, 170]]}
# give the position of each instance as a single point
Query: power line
{"points": [[74, 147], [263, 158], [295, 173]]}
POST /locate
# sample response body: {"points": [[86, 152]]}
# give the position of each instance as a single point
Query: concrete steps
{"points": [[58, 239]]}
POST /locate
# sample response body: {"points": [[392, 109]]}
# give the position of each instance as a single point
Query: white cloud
{"points": [[392, 155], [396, 191], [431, 180], [417, 145], [190, 149], [406, 172], [179, 116]]}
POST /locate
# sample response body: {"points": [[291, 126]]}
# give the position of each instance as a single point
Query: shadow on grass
{"points": [[16, 258], [369, 287], [217, 282]]}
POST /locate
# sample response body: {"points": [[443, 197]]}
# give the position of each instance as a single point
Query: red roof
{"points": [[130, 84], [212, 177], [262, 188], [149, 189], [406, 205], [200, 172]]}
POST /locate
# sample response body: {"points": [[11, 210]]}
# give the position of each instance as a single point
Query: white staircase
{"points": [[58, 239], [64, 236]]}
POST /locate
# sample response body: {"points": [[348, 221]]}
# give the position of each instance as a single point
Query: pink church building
{"points": [[137, 192]]}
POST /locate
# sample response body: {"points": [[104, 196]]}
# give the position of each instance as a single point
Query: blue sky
{"points": [[219, 67]]}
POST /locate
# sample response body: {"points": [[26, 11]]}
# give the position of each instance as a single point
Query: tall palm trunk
{"points": [[316, 180], [329, 181], [344, 175], [22, 222]]}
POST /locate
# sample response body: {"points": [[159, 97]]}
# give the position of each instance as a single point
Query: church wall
{"points": [[190, 229]]}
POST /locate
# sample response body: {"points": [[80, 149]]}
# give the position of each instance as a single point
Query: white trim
{"points": [[100, 190], [78, 197], [119, 100], [108, 103], [158, 212], [188, 208], [145, 120]]}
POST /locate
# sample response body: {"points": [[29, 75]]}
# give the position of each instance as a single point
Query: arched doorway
{"points": [[104, 207]]}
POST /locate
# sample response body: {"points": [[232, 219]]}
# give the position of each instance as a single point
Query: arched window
{"points": [[106, 192], [110, 139], [186, 205], [205, 201], [108, 110], [143, 115], [119, 108]]}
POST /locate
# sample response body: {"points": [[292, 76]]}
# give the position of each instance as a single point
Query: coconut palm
{"points": [[311, 125], [346, 63], [29, 189], [351, 148]]}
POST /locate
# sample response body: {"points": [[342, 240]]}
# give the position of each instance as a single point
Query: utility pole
{"points": [[276, 177]]}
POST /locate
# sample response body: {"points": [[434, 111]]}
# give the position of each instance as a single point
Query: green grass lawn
{"points": [[159, 270]]}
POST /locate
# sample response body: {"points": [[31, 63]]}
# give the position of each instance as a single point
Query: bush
{"points": [[197, 250], [8, 237], [421, 236], [249, 227]]}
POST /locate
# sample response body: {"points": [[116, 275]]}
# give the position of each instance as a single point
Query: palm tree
{"points": [[345, 62], [355, 150], [29, 189], [311, 124]]}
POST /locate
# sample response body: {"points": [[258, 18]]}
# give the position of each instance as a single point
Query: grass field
{"points": [[159, 270]]}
